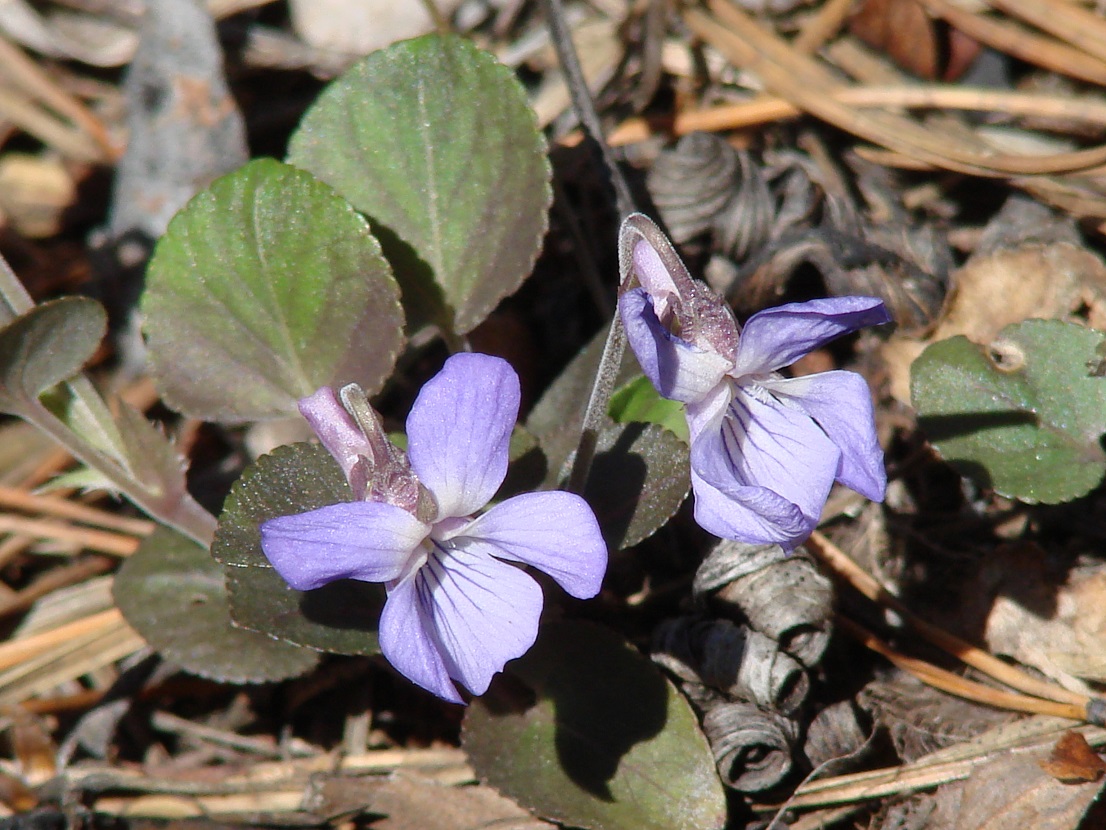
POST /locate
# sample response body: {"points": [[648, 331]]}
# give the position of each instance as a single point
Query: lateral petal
{"points": [[365, 540], [409, 643], [481, 612], [759, 442], [841, 404], [555, 532], [677, 369], [459, 430], [777, 337]]}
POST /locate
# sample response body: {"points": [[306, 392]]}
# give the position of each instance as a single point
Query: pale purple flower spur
{"points": [[765, 449], [458, 606]]}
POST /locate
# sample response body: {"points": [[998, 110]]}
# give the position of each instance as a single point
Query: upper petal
{"points": [[842, 406], [363, 540], [677, 369], [555, 532], [409, 644], [459, 430], [477, 611], [760, 442], [337, 431], [777, 337]]}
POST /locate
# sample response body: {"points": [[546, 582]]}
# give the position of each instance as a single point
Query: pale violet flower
{"points": [[765, 450], [459, 606]]}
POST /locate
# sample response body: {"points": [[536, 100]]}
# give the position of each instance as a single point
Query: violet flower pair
{"points": [[765, 450], [458, 605]]}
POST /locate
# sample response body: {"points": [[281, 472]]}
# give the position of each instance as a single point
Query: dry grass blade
{"points": [[18, 499], [813, 88], [952, 764], [954, 684], [99, 540], [767, 109], [1065, 20], [846, 569]]}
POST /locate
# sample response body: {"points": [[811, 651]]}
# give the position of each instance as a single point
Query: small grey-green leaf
{"points": [[265, 287], [1024, 415], [340, 617], [433, 139], [48, 344], [172, 593], [586, 731], [639, 478]]}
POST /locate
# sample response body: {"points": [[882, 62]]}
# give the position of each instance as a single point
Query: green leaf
{"points": [[48, 344], [639, 400], [434, 141], [265, 287], [1024, 415], [340, 617], [639, 478], [172, 593], [585, 731]]}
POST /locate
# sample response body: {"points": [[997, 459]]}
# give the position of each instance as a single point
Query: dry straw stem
{"points": [[1084, 29], [99, 540], [845, 569], [764, 110], [30, 99], [23, 649], [954, 684], [812, 87], [19, 499], [1033, 735]]}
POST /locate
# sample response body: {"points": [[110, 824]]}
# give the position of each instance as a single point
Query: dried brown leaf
{"points": [[903, 30], [1013, 791], [1073, 761], [409, 802], [1053, 622]]}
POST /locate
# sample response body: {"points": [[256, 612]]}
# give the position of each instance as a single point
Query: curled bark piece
{"points": [[835, 738], [752, 747], [786, 598], [741, 663], [692, 183]]}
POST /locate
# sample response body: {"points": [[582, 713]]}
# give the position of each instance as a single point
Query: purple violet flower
{"points": [[765, 449], [458, 607]]}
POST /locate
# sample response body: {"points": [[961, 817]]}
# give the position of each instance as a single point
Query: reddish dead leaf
{"points": [[1073, 761], [903, 30]]}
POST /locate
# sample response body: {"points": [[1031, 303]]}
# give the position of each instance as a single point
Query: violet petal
{"points": [[409, 645], [777, 337], [757, 441], [480, 612], [363, 540], [676, 368], [749, 514], [555, 532], [841, 404], [459, 430]]}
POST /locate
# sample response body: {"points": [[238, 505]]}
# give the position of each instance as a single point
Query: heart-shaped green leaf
{"points": [[586, 731], [1024, 415], [48, 344], [340, 617], [434, 141], [172, 593], [265, 287]]}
